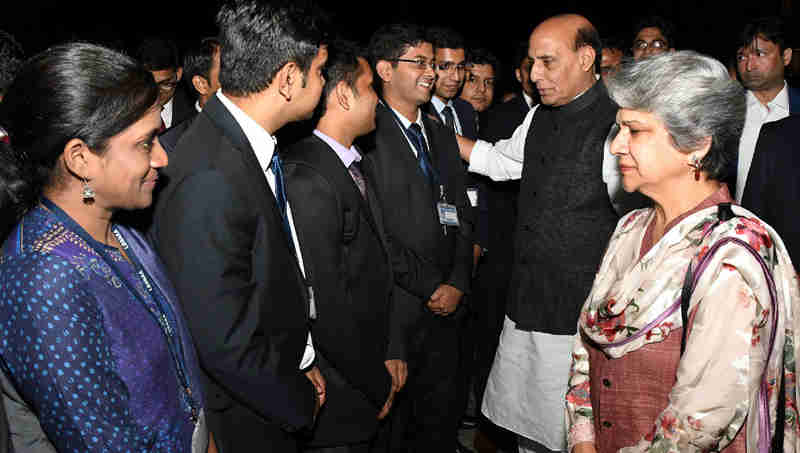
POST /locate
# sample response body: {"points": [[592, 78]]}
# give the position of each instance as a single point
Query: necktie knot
{"points": [[449, 119]]}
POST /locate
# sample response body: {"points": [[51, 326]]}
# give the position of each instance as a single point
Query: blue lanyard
{"points": [[159, 309], [433, 170]]}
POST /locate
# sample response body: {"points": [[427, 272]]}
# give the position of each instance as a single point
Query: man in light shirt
{"points": [[762, 56]]}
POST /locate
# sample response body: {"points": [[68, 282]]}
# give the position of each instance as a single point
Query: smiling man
{"points": [[420, 181], [564, 221]]}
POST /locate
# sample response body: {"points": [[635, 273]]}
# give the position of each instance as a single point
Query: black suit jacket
{"points": [[409, 207], [347, 260], [773, 188], [218, 228]]}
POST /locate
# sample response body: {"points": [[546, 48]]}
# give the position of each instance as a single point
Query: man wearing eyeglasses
{"points": [[420, 182], [160, 57], [653, 35]]}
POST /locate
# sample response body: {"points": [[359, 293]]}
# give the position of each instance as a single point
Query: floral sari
{"points": [[736, 347]]}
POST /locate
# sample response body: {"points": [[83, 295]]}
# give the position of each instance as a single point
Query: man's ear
{"points": [[586, 57], [201, 85], [384, 70], [289, 78], [179, 73], [344, 95], [787, 56], [518, 74], [77, 158]]}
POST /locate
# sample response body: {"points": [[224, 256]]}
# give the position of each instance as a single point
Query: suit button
{"points": [[607, 424], [606, 382]]}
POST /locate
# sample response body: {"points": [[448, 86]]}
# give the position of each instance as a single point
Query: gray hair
{"points": [[693, 96]]}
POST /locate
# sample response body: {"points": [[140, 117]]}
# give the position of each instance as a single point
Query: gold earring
{"points": [[695, 164]]}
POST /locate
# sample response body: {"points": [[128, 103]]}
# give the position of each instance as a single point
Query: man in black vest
{"points": [[565, 219], [349, 260], [420, 182]]}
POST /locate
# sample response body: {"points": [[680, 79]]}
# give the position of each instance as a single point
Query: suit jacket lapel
{"points": [[223, 119]]}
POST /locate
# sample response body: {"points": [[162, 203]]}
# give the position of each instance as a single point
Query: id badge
{"points": [[448, 214], [472, 194]]}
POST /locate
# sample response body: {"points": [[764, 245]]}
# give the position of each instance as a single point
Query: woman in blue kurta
{"points": [[92, 336]]}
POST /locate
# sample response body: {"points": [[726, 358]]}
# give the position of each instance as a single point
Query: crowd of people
{"points": [[285, 241]]}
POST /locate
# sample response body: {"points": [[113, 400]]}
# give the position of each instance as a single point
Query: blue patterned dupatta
{"points": [[96, 343]]}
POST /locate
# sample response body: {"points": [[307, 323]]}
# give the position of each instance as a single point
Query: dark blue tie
{"points": [[449, 120], [280, 194], [415, 133]]}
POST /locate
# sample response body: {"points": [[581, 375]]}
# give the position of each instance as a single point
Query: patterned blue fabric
{"points": [[83, 350]]}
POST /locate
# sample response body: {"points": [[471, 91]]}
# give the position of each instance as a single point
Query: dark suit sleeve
{"points": [[206, 239], [318, 219], [773, 187]]}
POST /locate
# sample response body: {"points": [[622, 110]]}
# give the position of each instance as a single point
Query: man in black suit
{"points": [[773, 188], [420, 183], [161, 58], [348, 260], [225, 232]]}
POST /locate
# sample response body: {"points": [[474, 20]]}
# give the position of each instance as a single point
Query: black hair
{"points": [[520, 54], [198, 58], [342, 66], [445, 38], [481, 55], [771, 28], [587, 35], [391, 41], [258, 39], [666, 27], [615, 43], [11, 58], [158, 54], [74, 90]]}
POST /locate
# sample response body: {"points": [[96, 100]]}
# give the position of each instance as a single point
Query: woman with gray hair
{"points": [[690, 322]]}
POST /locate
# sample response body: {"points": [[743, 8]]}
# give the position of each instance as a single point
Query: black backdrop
{"points": [[707, 26]]}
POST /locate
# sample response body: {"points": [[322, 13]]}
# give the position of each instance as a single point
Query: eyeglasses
{"points": [[421, 63], [168, 84], [656, 44], [448, 66]]}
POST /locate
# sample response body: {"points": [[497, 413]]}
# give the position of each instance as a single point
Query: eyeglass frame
{"points": [[657, 44], [421, 64]]}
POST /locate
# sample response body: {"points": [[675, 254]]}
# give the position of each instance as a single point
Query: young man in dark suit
{"points": [[225, 232], [161, 58], [348, 260], [420, 183]]}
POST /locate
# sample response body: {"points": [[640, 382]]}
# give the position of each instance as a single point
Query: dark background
{"points": [[710, 27]]}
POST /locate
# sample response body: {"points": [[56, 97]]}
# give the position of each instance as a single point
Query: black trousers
{"points": [[236, 429], [426, 415]]}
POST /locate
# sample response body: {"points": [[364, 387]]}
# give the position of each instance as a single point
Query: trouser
{"points": [[531, 446]]}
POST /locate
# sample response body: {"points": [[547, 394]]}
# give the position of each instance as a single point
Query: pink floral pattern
{"points": [[713, 396]]}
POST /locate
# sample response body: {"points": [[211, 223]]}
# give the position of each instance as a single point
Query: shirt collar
{"points": [[404, 121], [439, 104], [166, 112], [346, 155], [528, 100], [262, 142], [197, 106], [781, 100]]}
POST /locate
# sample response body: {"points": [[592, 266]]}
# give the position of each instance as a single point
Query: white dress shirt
{"points": [[757, 115], [263, 145], [405, 123], [528, 99], [166, 113], [439, 105]]}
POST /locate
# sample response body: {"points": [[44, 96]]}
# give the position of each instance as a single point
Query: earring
{"points": [[695, 164], [87, 193]]}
